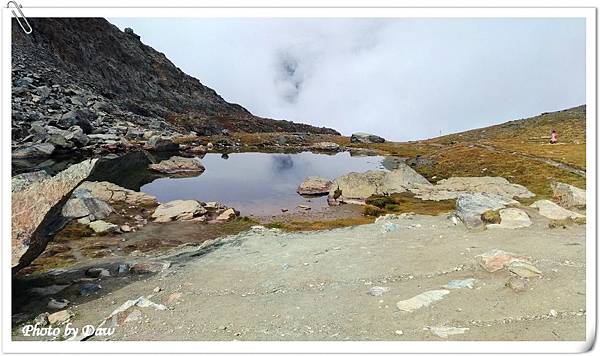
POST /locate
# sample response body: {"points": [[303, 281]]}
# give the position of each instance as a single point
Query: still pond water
{"points": [[260, 183]]}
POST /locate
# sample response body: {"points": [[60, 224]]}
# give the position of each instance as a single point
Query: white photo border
{"points": [[10, 346]]}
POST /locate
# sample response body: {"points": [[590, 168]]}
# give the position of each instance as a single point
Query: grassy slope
{"points": [[509, 146]]}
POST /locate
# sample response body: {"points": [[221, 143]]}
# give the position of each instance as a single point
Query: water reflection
{"points": [[259, 183]]}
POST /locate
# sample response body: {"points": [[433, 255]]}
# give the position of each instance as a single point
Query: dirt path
{"points": [[270, 285]]}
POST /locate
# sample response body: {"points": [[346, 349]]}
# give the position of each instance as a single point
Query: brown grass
{"points": [[407, 203], [320, 225]]}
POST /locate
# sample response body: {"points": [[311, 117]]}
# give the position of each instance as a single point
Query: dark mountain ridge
{"points": [[88, 63]]}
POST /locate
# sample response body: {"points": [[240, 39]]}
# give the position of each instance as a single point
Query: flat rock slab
{"points": [[445, 331], [496, 260], [568, 196], [554, 211], [179, 166], [422, 300], [178, 210], [469, 207]]}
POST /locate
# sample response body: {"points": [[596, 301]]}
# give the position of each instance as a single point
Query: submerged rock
{"points": [[422, 300], [314, 186], [363, 137], [554, 211], [179, 165], [36, 209], [178, 210], [568, 196]]}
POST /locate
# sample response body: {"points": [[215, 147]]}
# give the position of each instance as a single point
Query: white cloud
{"points": [[400, 78]]}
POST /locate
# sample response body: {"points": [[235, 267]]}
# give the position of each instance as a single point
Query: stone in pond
{"points": [[179, 166], [422, 300], [314, 186]]}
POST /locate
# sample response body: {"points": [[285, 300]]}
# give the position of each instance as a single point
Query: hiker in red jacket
{"points": [[553, 137]]}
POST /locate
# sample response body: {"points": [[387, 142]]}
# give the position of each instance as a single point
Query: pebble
{"points": [[156, 290], [553, 313], [57, 304], [377, 291], [399, 332]]}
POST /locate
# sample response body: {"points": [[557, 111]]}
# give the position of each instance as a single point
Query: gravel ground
{"points": [[271, 285]]}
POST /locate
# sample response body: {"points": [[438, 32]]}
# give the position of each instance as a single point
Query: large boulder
{"points": [[554, 211], [179, 166], [568, 196], [162, 144], [36, 209], [453, 187], [469, 207], [356, 187], [511, 218], [363, 137], [178, 210], [314, 186]]}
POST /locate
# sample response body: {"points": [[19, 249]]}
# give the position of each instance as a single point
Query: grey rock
{"points": [[554, 211], [24, 180], [511, 218], [178, 210], [36, 150], [162, 144], [86, 289], [86, 207], [568, 196], [97, 272], [362, 137], [102, 227], [314, 186], [469, 207]]}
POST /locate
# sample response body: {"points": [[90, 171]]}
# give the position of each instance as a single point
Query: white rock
{"points": [[554, 211], [178, 210], [511, 218], [422, 300]]}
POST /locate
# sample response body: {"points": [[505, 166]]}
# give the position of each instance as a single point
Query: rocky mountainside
{"points": [[85, 72]]}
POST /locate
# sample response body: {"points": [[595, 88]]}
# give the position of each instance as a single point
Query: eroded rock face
{"points": [[554, 211], [36, 150], [314, 186], [363, 137], [453, 187], [469, 207], [179, 166], [178, 210], [36, 208], [356, 187], [568, 196]]}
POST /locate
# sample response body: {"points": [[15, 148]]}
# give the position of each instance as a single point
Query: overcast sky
{"points": [[403, 79]]}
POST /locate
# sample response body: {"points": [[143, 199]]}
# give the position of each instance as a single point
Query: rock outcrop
{"points": [[363, 137], [356, 187], [36, 210]]}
